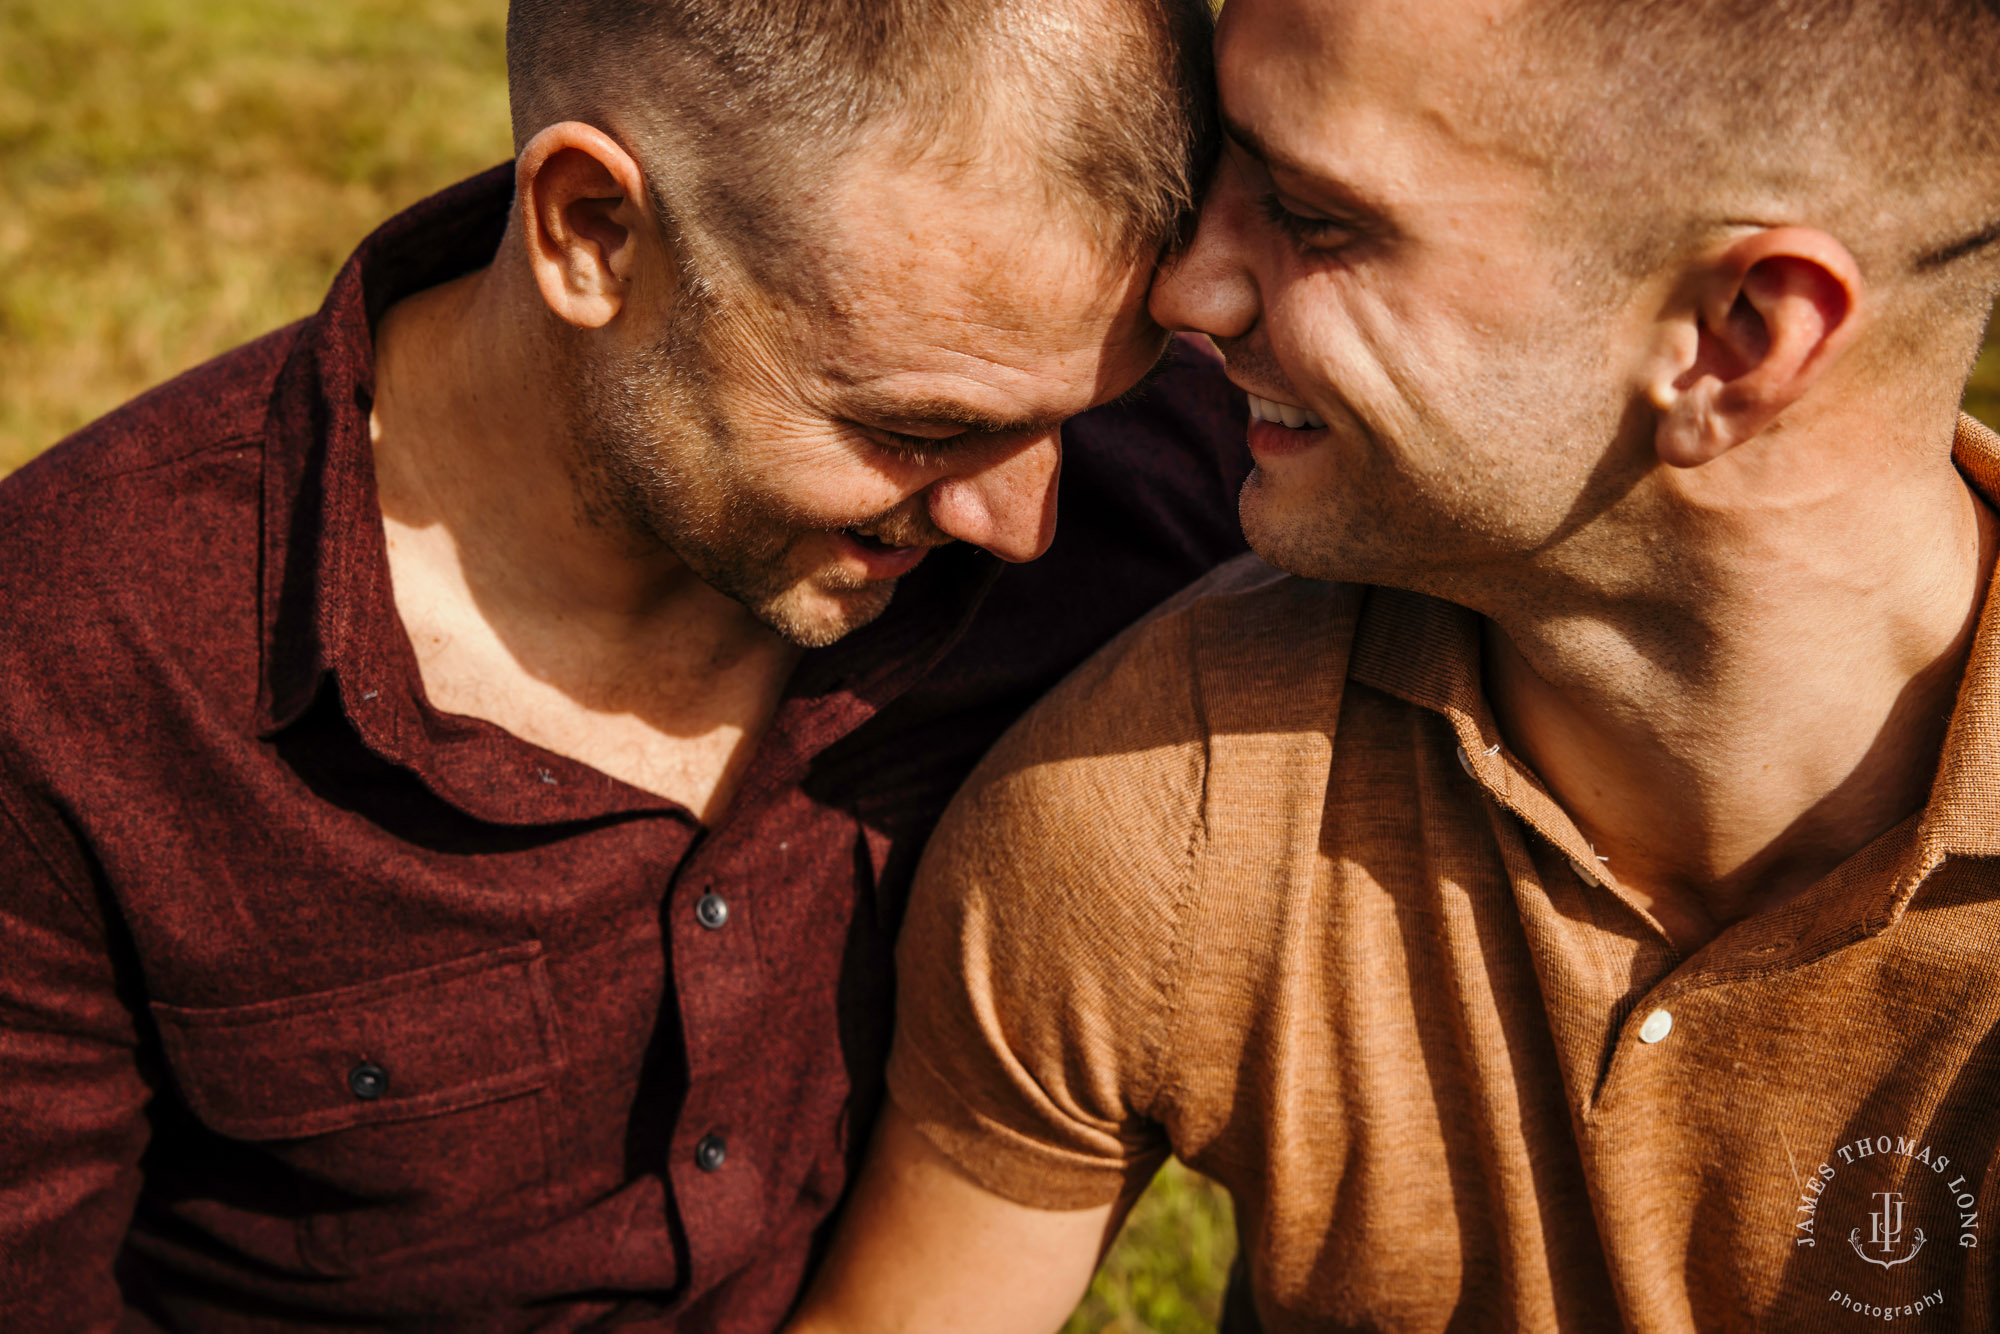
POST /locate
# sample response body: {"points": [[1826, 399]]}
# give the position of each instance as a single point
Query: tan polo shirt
{"points": [[1262, 887]]}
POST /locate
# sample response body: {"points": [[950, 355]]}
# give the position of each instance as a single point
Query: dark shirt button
{"points": [[711, 1153], [711, 910], [368, 1081]]}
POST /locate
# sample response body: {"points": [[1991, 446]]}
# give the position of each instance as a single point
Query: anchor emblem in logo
{"points": [[1886, 1232]]}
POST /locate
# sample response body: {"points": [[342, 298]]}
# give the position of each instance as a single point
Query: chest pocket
{"points": [[410, 1114]]}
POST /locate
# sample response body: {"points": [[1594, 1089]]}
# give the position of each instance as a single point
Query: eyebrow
{"points": [[1337, 192], [929, 410], [1956, 250]]}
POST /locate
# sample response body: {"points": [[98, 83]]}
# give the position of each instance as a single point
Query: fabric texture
{"points": [[323, 1009], [1261, 886]]}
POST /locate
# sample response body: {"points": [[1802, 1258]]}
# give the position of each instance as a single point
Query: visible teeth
{"points": [[1283, 414]]}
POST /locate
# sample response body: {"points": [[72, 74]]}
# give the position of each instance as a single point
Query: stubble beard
{"points": [[653, 464], [1463, 499]]}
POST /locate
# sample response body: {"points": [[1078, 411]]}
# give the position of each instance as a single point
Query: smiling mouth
{"points": [[869, 542], [883, 560], [1288, 415]]}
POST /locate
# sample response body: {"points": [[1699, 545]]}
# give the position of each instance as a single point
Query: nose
{"points": [[1209, 288], [1007, 506]]}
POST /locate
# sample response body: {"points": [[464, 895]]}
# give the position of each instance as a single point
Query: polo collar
{"points": [[1962, 817]]}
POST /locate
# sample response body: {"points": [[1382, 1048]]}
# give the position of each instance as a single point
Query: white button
{"points": [[1658, 1024], [1465, 763], [1584, 873]]}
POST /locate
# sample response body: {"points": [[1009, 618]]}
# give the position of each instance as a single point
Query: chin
{"points": [[1308, 540], [810, 617], [1278, 537]]}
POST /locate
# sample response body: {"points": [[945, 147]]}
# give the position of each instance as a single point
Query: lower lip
{"points": [[1269, 440], [881, 562]]}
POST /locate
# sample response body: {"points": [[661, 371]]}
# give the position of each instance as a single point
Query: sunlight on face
{"points": [[1370, 256], [826, 444]]}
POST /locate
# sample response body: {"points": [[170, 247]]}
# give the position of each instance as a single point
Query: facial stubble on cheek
{"points": [[1412, 511], [655, 465], [1462, 475]]}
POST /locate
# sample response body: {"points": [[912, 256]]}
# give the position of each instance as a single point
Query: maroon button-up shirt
{"points": [[321, 1009]]}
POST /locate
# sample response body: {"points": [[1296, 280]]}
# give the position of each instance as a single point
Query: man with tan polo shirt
{"points": [[1557, 891]]}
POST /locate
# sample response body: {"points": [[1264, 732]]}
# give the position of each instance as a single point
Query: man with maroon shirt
{"points": [[461, 755]]}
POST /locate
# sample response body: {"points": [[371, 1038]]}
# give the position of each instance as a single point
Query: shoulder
{"points": [[1162, 467], [217, 403], [137, 537], [62, 507], [1046, 952], [1245, 644], [1187, 404], [1085, 819]]}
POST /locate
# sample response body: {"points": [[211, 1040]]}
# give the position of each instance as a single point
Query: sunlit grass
{"points": [[182, 175], [1167, 1273]]}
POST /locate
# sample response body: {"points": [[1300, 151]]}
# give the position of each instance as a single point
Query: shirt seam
{"points": [[253, 438], [1163, 1090]]}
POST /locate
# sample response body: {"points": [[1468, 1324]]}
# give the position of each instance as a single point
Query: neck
{"points": [[486, 506], [1774, 700]]}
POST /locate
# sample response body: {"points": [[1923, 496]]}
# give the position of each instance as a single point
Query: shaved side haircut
{"points": [[735, 109], [1877, 120]]}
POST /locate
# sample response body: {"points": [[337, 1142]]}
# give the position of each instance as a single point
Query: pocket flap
{"points": [[416, 1044]]}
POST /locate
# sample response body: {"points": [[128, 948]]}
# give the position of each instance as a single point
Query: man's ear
{"points": [[580, 198], [1771, 312]]}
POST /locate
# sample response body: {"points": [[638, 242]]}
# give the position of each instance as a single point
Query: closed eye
{"points": [[1305, 230], [904, 440], [922, 451]]}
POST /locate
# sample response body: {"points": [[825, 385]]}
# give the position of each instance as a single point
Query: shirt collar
{"points": [[321, 518], [1963, 815]]}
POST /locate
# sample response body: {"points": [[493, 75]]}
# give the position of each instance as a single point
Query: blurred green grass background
{"points": [[182, 175]]}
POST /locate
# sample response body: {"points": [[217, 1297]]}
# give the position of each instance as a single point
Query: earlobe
{"points": [[578, 197], [1681, 395], [1691, 432], [1770, 314]]}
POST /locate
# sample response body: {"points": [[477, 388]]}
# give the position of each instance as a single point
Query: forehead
{"points": [[1398, 95], [969, 274]]}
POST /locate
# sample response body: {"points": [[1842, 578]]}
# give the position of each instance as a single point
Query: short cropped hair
{"points": [[734, 107], [1879, 119]]}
